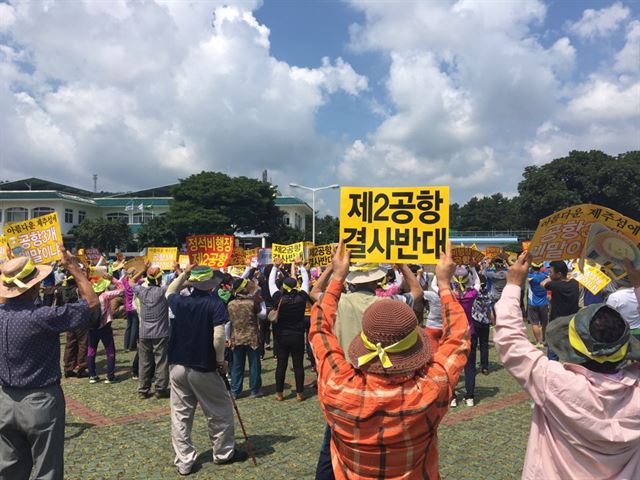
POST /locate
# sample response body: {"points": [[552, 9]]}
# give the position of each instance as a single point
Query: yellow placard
{"points": [[4, 250], [183, 261], [526, 245], [493, 252], [321, 255], [395, 225], [137, 263], [592, 279], [238, 257], [288, 253], [466, 256], [37, 238], [163, 257]]}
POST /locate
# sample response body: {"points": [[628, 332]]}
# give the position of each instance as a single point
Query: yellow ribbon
{"points": [[377, 350], [156, 276], [461, 281], [577, 343], [101, 286], [27, 270], [201, 276], [364, 268], [287, 288]]}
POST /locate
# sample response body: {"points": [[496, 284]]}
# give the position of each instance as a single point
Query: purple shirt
{"points": [[30, 341], [466, 300], [128, 295]]}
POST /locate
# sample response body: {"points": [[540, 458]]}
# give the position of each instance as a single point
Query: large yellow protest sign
{"points": [[4, 250], [466, 256], [590, 232], [37, 238], [321, 255], [395, 225], [238, 257], [183, 261], [210, 250], [493, 252], [163, 257], [288, 253], [136, 263], [592, 279]]}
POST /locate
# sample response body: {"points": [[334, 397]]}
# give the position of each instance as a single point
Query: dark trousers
{"points": [[307, 326], [290, 345], [104, 335], [153, 355], [470, 369], [75, 350], [265, 331], [482, 331], [32, 433], [131, 332], [324, 469]]}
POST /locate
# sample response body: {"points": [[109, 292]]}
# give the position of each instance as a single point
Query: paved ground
{"points": [[111, 434]]}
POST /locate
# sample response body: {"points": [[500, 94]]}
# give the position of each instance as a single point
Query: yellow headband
{"points": [[156, 276], [242, 285], [27, 270], [377, 350], [577, 344], [201, 276], [287, 288]]}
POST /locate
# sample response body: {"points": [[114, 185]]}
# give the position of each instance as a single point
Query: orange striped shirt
{"points": [[385, 427]]}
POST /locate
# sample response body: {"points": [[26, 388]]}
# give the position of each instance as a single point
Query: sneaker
{"points": [[93, 380], [134, 376], [257, 395], [469, 402], [110, 380], [82, 374], [238, 456], [454, 402], [485, 371], [143, 395], [162, 394], [184, 471], [69, 374]]}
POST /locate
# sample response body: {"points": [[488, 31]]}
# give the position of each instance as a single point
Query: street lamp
{"points": [[313, 203]]}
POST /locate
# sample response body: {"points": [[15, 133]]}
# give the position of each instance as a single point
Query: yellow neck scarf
{"points": [[577, 343], [27, 270], [377, 350]]}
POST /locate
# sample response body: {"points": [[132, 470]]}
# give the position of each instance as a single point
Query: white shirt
{"points": [[625, 301]]}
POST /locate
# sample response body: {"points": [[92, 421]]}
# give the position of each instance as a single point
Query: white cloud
{"points": [[143, 93], [7, 17], [628, 59], [600, 23]]}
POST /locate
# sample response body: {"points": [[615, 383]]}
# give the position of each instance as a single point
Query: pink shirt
{"points": [[585, 425]]}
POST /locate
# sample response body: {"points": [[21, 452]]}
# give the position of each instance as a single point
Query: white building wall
{"points": [[59, 206]]}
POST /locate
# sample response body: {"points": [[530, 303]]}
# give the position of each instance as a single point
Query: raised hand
{"points": [[633, 273], [340, 262], [445, 269], [518, 272]]}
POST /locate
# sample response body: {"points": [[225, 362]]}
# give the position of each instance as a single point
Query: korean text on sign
{"points": [[288, 253], [321, 255], [162, 257], [211, 250], [4, 250], [592, 279], [400, 225], [238, 257], [466, 256], [36, 238]]}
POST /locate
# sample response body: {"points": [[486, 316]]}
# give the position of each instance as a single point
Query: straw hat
{"points": [[365, 273], [391, 341], [19, 275]]}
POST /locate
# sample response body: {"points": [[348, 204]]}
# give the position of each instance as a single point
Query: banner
{"points": [[211, 250], [162, 257], [592, 279], [4, 250], [37, 238], [137, 263], [288, 253], [264, 257], [395, 225], [321, 255], [590, 232], [183, 261], [466, 256], [492, 252], [238, 257], [93, 255]]}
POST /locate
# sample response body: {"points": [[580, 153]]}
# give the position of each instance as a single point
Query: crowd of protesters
{"points": [[388, 344]]}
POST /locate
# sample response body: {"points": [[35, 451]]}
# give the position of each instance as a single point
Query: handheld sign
{"points": [[37, 238], [211, 250], [288, 253], [162, 257]]}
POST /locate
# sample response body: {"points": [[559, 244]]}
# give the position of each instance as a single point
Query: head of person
{"points": [[289, 285], [536, 266], [245, 286], [559, 270], [204, 279], [498, 263], [461, 278], [366, 275], [20, 279], [596, 337], [154, 276], [391, 342], [225, 287]]}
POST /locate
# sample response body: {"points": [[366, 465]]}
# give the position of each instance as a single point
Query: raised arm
{"points": [[412, 282], [476, 279], [177, 284], [305, 279], [272, 279], [85, 290]]}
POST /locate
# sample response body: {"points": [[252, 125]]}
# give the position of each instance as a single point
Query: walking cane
{"points": [[235, 406]]}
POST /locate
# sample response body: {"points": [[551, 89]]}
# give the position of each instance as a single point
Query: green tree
{"points": [[581, 177], [106, 235], [212, 202], [496, 212], [327, 229], [158, 232]]}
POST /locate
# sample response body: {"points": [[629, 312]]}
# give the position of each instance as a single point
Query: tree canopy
{"points": [[157, 233], [106, 235]]}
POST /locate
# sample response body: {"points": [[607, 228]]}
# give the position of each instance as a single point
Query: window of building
{"points": [[118, 216], [286, 219], [17, 214], [142, 218], [0, 215], [40, 211], [81, 216], [68, 215]]}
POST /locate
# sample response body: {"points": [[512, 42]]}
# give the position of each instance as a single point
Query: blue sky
{"points": [[463, 93]]}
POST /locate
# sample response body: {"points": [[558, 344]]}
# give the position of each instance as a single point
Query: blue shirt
{"points": [[537, 294], [30, 341], [191, 340]]}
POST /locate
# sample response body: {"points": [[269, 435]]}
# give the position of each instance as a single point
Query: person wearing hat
{"points": [[244, 310], [75, 347], [537, 303], [153, 340], [196, 367], [586, 415], [32, 405], [498, 276], [384, 406]]}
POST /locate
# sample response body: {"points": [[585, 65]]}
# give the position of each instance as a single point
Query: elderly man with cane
{"points": [[32, 406], [196, 367]]}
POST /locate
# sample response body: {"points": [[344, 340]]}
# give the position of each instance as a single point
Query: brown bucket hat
{"points": [[19, 275], [391, 342]]}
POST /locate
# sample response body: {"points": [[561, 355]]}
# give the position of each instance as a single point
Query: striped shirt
{"points": [[154, 311], [385, 427]]}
